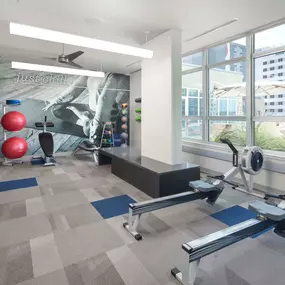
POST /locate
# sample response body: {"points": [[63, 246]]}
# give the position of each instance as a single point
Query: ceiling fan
{"points": [[67, 58]]}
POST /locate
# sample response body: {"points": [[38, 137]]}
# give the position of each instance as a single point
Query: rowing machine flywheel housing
{"points": [[252, 159]]}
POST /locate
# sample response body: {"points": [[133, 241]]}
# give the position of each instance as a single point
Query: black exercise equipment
{"points": [[269, 215], [46, 142], [199, 190]]}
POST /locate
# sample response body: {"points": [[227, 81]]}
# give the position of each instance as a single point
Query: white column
{"points": [[161, 99]]}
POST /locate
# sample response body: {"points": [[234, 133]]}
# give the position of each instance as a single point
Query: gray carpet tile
{"points": [[15, 264], [12, 210], [95, 270]]}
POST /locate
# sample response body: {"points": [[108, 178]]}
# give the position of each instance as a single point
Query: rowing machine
{"points": [[251, 163], [268, 215]]}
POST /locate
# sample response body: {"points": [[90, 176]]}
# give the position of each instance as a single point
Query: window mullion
{"points": [[250, 91], [205, 94]]}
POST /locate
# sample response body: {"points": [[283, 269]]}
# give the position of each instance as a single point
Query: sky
{"points": [[273, 37]]}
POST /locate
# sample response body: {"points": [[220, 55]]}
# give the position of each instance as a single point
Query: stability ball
{"points": [[14, 147], [13, 121], [124, 136]]}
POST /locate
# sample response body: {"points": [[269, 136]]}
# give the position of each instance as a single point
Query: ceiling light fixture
{"points": [[213, 30], [56, 69], [60, 37]]}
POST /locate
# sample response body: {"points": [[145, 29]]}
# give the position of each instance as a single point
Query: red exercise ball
{"points": [[14, 147], [13, 121]]}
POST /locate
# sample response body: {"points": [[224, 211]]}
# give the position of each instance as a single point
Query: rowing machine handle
{"points": [[234, 150], [222, 178], [267, 196], [229, 143]]}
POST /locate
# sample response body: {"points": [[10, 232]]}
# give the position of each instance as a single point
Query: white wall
{"points": [[135, 127], [161, 99], [264, 181]]}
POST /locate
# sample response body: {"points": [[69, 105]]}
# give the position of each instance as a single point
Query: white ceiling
{"points": [[124, 21]]}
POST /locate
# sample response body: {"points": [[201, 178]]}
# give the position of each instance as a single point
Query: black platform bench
{"points": [[154, 178]]}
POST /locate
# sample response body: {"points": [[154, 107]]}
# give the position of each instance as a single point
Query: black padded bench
{"points": [[154, 178]]}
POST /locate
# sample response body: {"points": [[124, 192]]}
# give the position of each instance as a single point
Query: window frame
{"points": [[250, 116]]}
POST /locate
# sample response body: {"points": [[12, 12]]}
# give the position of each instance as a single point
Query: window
{"points": [[226, 51], [234, 130], [226, 91], [192, 83], [183, 107], [261, 96], [219, 103], [193, 106], [192, 129], [269, 135], [192, 61], [271, 38]]}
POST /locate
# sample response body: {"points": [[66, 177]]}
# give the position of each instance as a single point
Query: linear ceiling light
{"points": [[60, 37], [56, 69], [213, 30]]}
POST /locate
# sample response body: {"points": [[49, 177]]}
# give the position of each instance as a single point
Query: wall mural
{"points": [[77, 105]]}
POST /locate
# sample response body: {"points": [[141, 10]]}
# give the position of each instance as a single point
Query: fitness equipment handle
{"points": [[222, 178], [229, 143], [234, 150], [276, 196]]}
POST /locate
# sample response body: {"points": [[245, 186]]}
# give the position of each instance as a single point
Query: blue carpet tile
{"points": [[17, 184], [235, 215], [114, 206]]}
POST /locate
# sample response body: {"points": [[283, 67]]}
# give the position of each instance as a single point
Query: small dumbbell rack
{"points": [[9, 103], [107, 137]]}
